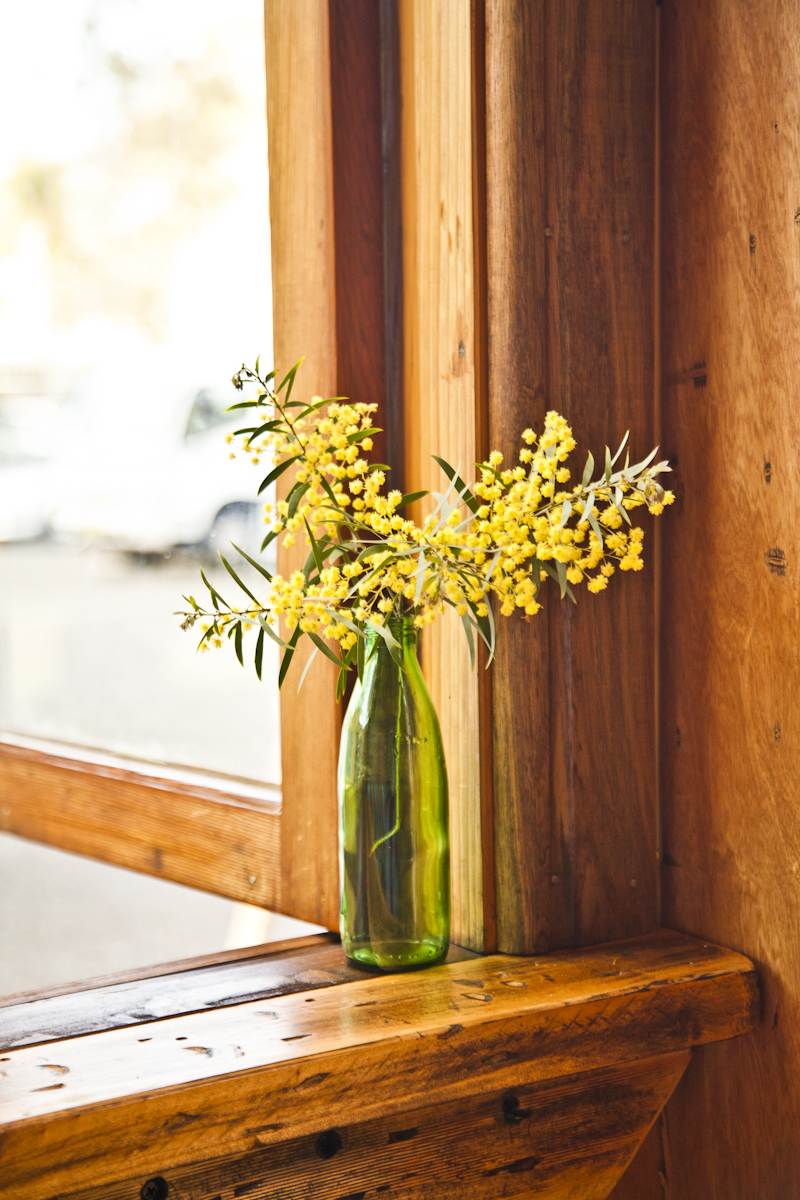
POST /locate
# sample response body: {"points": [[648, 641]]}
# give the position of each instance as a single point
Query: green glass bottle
{"points": [[394, 848]]}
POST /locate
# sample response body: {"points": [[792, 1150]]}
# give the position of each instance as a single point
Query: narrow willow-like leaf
{"points": [[470, 640], [266, 427], [261, 570], [639, 467], [215, 596], [268, 539], [314, 547], [411, 498], [259, 655], [235, 577], [608, 465], [270, 632], [306, 669], [469, 499], [621, 448], [295, 496], [288, 656], [319, 643], [420, 578], [377, 548], [588, 470], [238, 642], [277, 472], [360, 434], [289, 379]]}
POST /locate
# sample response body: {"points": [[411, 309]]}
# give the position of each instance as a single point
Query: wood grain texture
{"points": [[440, 392], [304, 324], [171, 968], [566, 1138], [205, 839], [570, 111], [300, 965], [229, 1081], [357, 131], [731, 659], [644, 1178]]}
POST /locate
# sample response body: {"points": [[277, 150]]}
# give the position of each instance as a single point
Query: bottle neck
{"points": [[402, 629]]}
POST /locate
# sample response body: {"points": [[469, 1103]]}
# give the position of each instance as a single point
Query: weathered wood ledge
{"points": [[494, 1076]]}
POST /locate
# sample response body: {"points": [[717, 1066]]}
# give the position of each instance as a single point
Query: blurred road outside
{"points": [[67, 918]]}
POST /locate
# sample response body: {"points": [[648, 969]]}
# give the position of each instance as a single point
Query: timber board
{"points": [[567, 1137], [208, 1084]]}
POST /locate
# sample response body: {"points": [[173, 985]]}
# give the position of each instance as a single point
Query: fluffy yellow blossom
{"points": [[368, 563]]}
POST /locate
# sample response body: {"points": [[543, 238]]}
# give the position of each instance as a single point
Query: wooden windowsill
{"points": [[270, 1083]]}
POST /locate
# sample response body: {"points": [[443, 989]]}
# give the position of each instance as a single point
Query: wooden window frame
{"points": [[462, 203]]}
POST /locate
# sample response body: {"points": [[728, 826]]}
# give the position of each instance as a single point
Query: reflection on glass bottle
{"points": [[393, 816]]}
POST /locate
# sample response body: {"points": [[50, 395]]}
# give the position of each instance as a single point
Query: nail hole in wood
{"points": [[156, 1188], [328, 1144]]}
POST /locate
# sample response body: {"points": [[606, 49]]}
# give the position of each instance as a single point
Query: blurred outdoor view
{"points": [[134, 279]]}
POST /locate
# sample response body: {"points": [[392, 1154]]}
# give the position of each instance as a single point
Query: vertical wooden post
{"points": [[440, 388], [304, 323], [570, 252], [730, 103]]}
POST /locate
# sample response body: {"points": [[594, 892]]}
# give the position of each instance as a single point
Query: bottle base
{"points": [[395, 957]]}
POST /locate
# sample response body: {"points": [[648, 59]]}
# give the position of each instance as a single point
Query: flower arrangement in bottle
{"points": [[372, 579]]}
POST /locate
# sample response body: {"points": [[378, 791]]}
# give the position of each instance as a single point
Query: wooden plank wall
{"points": [[570, 124], [440, 379], [730, 101], [304, 323]]}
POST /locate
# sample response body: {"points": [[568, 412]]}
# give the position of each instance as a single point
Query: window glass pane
{"points": [[66, 918], [134, 278]]}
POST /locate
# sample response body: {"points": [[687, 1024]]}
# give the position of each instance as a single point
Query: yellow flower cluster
{"points": [[366, 562]]}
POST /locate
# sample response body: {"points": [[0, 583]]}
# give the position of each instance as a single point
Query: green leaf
{"points": [[621, 448], [236, 578], [472, 504], [261, 570], [273, 533], [215, 596], [259, 652], [361, 434], [306, 669], [377, 548], [266, 427], [295, 496], [609, 464], [588, 470], [341, 681], [243, 404], [288, 656], [470, 640], [411, 498], [278, 471], [645, 462], [289, 379], [255, 368], [326, 650], [314, 550], [238, 642], [311, 408], [420, 578], [566, 512], [360, 656], [270, 632]]}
